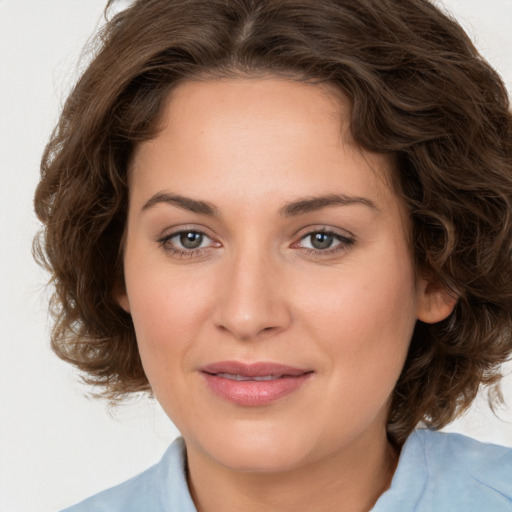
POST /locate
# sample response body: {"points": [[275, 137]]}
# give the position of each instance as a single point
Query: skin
{"points": [[258, 290]]}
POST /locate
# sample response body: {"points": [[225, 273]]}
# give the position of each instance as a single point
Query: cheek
{"points": [[168, 307], [364, 318]]}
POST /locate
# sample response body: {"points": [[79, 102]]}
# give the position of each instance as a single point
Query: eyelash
{"points": [[344, 242], [165, 242]]}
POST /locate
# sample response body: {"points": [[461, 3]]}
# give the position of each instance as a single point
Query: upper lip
{"points": [[259, 369]]}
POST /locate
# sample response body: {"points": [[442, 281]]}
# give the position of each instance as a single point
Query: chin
{"points": [[257, 460], [256, 450]]}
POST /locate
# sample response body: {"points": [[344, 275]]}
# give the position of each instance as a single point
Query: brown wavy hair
{"points": [[419, 91]]}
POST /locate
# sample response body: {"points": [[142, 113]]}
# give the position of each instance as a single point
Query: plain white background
{"points": [[57, 446]]}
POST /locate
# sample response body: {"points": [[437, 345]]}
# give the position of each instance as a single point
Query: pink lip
{"points": [[286, 380]]}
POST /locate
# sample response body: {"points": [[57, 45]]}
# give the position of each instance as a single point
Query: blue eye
{"points": [[326, 242]]}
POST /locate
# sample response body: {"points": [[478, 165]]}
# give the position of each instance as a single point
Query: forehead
{"points": [[229, 134]]}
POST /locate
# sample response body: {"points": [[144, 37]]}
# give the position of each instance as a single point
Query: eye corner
{"points": [[187, 242], [329, 242]]}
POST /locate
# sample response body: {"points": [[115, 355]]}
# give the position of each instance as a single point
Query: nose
{"points": [[252, 301]]}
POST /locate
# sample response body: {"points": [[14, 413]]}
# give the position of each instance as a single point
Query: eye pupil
{"points": [[321, 240], [191, 239]]}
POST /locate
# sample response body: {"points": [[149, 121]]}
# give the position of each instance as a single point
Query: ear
{"points": [[122, 300], [120, 296], [119, 293], [435, 301]]}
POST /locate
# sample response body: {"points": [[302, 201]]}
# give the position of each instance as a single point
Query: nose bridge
{"points": [[252, 300]]}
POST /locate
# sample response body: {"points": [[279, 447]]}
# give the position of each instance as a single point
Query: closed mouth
{"points": [[260, 371], [231, 376]]}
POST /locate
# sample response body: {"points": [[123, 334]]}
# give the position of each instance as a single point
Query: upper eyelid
{"points": [[171, 231], [299, 235], [331, 233], [342, 240], [319, 228], [175, 249], [164, 240], [178, 233]]}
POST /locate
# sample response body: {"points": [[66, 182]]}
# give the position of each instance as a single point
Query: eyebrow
{"points": [[292, 209], [185, 203], [311, 204]]}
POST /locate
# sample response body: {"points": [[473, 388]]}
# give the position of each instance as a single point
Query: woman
{"points": [[291, 222]]}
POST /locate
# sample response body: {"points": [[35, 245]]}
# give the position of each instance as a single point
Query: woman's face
{"points": [[268, 274]]}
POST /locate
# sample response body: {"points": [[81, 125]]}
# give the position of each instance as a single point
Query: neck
{"points": [[351, 479]]}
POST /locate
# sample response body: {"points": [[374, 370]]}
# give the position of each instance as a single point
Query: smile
{"points": [[252, 385], [245, 377]]}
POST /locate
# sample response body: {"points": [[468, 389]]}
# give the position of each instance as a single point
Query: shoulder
{"points": [[464, 461], [443, 472], [162, 487]]}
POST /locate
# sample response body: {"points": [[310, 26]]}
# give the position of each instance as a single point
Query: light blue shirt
{"points": [[437, 472]]}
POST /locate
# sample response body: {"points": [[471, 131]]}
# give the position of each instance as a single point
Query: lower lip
{"points": [[252, 393]]}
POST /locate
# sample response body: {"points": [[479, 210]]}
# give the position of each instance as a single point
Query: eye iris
{"points": [[321, 240], [191, 240]]}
